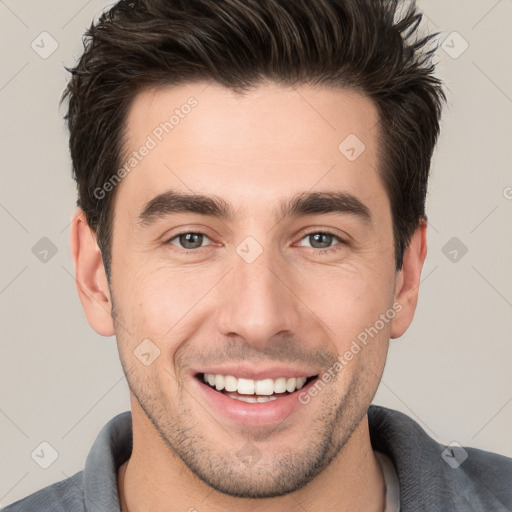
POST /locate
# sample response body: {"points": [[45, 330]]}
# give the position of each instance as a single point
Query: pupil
{"points": [[186, 238], [316, 235]]}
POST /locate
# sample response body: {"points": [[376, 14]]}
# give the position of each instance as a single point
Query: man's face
{"points": [[257, 295]]}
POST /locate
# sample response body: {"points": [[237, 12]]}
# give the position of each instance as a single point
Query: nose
{"points": [[260, 301]]}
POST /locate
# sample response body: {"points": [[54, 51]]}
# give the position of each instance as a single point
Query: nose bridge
{"points": [[257, 303]]}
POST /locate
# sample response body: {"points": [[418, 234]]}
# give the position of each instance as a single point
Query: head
{"points": [[289, 118]]}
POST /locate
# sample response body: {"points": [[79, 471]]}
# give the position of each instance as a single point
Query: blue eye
{"points": [[189, 240], [324, 238]]}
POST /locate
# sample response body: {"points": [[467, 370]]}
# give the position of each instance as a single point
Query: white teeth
{"points": [[290, 385], [262, 399], [265, 387], [219, 382], [301, 381], [230, 383], [280, 385], [249, 399], [253, 399], [245, 386]]}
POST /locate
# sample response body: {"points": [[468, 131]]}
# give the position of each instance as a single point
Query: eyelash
{"points": [[322, 232]]}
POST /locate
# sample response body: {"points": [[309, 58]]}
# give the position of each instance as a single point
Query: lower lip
{"points": [[258, 414]]}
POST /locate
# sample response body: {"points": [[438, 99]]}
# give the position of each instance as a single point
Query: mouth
{"points": [[254, 391]]}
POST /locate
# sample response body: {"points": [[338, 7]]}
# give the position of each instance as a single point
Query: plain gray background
{"points": [[60, 382]]}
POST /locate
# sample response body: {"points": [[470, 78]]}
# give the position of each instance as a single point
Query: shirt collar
{"points": [[111, 448]]}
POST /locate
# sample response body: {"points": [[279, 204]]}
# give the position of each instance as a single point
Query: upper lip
{"points": [[244, 371]]}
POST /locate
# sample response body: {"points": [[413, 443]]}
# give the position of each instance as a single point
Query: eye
{"points": [[322, 240], [188, 240]]}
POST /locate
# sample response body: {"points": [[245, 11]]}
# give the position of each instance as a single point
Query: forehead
{"points": [[268, 144]]}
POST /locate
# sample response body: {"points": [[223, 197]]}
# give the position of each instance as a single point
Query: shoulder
{"points": [[95, 488], [431, 475], [485, 475], [63, 496]]}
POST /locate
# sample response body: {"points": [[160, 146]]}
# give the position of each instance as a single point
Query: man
{"points": [[251, 226]]}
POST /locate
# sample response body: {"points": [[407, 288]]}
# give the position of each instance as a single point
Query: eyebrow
{"points": [[306, 203]]}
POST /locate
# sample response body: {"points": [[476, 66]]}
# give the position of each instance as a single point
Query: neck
{"points": [[155, 479]]}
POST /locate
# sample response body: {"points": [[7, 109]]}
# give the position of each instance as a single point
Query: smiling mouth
{"points": [[254, 391]]}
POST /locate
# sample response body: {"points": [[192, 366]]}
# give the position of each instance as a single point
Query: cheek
{"points": [[158, 302], [347, 299]]}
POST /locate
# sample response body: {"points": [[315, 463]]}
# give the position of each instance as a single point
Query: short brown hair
{"points": [[363, 45]]}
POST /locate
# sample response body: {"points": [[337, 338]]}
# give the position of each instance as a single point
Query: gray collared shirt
{"points": [[429, 480]]}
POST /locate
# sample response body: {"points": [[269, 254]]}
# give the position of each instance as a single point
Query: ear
{"points": [[408, 281], [91, 279]]}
